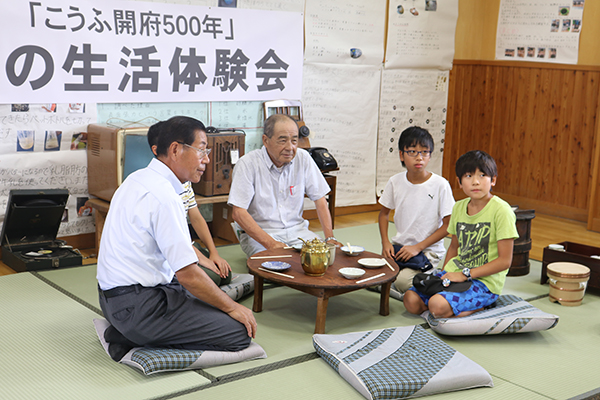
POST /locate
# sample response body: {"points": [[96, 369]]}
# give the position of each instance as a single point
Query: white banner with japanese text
{"points": [[112, 51]]}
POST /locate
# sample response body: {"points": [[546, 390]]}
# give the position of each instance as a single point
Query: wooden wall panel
{"points": [[537, 121]]}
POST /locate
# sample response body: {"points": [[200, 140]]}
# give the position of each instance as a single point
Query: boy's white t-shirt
{"points": [[419, 209]]}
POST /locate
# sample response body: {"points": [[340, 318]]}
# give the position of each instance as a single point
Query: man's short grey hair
{"points": [[270, 122]]}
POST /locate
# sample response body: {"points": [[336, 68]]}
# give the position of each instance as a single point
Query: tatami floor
{"points": [[50, 349]]}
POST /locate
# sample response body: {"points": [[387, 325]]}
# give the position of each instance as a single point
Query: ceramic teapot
{"points": [[315, 256]]}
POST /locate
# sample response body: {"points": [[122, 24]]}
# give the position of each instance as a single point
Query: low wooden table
{"points": [[323, 287]]}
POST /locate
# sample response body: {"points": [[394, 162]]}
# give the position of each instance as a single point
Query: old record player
{"points": [[29, 231]]}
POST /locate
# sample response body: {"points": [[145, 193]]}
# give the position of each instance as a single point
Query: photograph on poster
{"points": [[25, 140], [19, 107], [50, 107], [541, 52], [52, 141], [79, 141], [77, 108]]}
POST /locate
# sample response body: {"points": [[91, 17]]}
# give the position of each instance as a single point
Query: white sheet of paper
{"points": [[340, 108], [539, 31], [410, 98], [332, 30], [421, 34]]}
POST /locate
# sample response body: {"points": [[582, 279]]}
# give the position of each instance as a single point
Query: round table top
{"points": [[332, 278]]}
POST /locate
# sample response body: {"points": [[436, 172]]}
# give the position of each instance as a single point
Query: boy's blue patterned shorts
{"points": [[477, 296]]}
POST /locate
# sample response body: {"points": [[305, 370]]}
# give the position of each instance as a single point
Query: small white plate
{"points": [[352, 273], [356, 250], [556, 247], [372, 262], [276, 265]]}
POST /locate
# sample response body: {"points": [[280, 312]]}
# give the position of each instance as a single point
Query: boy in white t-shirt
{"points": [[422, 202]]}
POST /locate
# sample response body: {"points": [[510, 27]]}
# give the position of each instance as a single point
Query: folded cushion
{"points": [[398, 363], [509, 314], [153, 360]]}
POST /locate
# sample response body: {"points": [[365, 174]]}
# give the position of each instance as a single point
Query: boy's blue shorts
{"points": [[477, 296]]}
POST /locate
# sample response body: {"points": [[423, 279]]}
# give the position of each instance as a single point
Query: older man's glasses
{"points": [[413, 153], [201, 152]]}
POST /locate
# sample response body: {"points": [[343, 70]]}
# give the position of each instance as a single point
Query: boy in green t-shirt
{"points": [[483, 229]]}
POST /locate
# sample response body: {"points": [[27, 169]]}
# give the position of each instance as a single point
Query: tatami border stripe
{"points": [[67, 293], [243, 374], [591, 395]]}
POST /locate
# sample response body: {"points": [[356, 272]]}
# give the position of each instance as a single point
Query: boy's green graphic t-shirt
{"points": [[478, 237]]}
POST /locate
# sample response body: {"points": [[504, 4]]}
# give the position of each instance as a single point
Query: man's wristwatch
{"points": [[330, 238], [467, 272]]}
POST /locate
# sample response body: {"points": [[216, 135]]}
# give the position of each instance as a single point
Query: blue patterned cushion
{"points": [[509, 314], [397, 363], [153, 360]]}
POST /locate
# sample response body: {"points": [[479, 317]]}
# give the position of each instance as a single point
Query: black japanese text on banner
{"points": [[122, 51]]}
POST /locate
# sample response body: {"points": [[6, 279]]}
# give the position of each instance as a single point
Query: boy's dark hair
{"points": [[471, 160], [413, 136], [175, 129]]}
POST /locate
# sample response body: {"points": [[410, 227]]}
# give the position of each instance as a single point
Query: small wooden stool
{"points": [[568, 282]]}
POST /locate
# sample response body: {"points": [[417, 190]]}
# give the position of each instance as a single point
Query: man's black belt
{"points": [[120, 290]]}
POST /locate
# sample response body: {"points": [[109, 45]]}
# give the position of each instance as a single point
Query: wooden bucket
{"points": [[568, 282]]}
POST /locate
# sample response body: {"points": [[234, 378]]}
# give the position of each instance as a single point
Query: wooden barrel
{"points": [[567, 282], [520, 261]]}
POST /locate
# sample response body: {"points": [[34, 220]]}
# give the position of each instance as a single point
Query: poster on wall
{"points": [[410, 98], [421, 34], [539, 31], [43, 146], [134, 51], [344, 120], [351, 32]]}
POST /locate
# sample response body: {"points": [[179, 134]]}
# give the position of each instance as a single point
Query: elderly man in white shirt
{"points": [[268, 188], [151, 289]]}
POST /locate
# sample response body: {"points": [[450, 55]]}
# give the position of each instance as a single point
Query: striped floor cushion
{"points": [[398, 363], [510, 314], [240, 286], [153, 360]]}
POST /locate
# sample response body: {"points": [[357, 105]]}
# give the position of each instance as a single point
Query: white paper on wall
{"points": [[539, 31], [273, 5], [340, 108], [43, 147], [50, 170], [350, 32], [410, 98], [421, 34]]}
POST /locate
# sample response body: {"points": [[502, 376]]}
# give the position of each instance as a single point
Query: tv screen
{"points": [[136, 154]]}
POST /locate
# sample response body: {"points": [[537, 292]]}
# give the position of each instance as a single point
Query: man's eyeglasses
{"points": [[413, 153], [201, 152]]}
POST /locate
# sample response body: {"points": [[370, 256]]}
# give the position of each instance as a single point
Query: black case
{"points": [[30, 224], [323, 158]]}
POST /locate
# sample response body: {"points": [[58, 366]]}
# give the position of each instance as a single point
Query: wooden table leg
{"points": [[258, 294], [323, 299], [384, 301]]}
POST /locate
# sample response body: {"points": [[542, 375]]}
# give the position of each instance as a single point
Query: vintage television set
{"points": [[114, 152]]}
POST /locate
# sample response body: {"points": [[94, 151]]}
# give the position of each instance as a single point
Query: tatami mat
{"points": [[50, 349]]}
